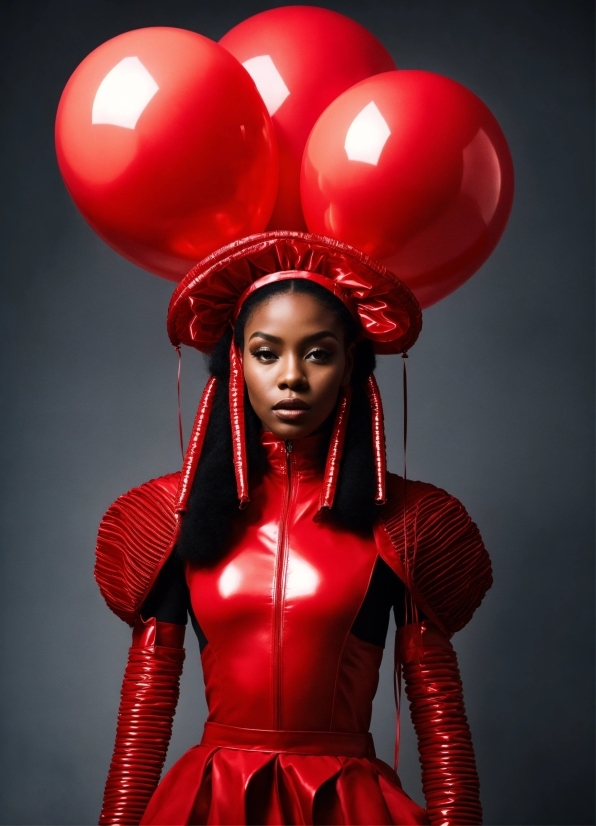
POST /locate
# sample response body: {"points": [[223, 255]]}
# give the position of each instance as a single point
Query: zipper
{"points": [[281, 564]]}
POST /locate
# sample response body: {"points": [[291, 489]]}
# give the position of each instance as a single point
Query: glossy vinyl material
{"points": [[436, 550], [432, 680], [134, 540], [204, 303], [413, 169], [378, 438], [166, 148], [289, 688], [302, 58], [236, 396], [336, 446], [148, 702], [278, 608], [345, 296], [195, 444]]}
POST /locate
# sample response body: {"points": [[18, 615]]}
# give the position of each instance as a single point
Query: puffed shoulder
{"points": [[135, 538], [445, 564]]}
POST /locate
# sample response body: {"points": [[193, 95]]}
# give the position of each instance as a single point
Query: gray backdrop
{"points": [[501, 410]]}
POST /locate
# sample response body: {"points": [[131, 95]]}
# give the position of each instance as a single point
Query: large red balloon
{"points": [[166, 148], [301, 58], [413, 169]]}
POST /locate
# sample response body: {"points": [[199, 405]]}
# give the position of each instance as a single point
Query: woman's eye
{"points": [[264, 355], [319, 354]]}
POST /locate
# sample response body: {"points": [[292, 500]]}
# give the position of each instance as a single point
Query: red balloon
{"points": [[413, 169], [166, 148], [301, 58]]}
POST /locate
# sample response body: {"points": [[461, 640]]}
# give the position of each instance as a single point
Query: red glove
{"points": [[434, 690], [148, 702]]}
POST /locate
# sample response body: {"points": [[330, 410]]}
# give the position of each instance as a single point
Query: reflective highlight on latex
{"points": [[166, 148], [124, 94], [367, 135], [204, 303], [268, 81], [413, 169], [301, 58]]}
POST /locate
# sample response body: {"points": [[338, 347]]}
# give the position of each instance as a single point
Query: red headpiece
{"points": [[210, 297]]}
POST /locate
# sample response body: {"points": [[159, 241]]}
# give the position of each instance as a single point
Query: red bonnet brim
{"points": [[203, 304]]}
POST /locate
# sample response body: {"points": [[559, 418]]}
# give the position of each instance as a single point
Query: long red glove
{"points": [[434, 690], [148, 702]]}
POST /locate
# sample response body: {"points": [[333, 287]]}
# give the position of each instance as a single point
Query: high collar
{"points": [[306, 453]]}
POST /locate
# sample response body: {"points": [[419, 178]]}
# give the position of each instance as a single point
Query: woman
{"points": [[290, 593]]}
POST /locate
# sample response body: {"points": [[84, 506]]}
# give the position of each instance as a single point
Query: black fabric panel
{"points": [[203, 641], [386, 591], [169, 599]]}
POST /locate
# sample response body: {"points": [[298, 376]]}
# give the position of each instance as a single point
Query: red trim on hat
{"points": [[302, 275], [204, 302]]}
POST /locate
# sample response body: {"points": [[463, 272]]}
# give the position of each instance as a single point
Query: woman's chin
{"points": [[290, 430]]}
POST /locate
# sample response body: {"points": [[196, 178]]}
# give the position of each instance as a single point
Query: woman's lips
{"points": [[291, 410]]}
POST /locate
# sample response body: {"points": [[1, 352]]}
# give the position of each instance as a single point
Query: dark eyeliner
{"points": [[263, 351]]}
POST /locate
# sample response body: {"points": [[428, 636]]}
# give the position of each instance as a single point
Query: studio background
{"points": [[501, 411]]}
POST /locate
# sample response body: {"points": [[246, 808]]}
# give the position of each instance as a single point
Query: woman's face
{"points": [[295, 361]]}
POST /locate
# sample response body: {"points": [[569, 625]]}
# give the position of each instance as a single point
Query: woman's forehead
{"points": [[289, 311]]}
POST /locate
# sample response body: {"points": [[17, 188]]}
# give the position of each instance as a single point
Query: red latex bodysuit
{"points": [[289, 687]]}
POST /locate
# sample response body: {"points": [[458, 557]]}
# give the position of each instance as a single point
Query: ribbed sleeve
{"points": [[434, 690], [147, 705], [135, 537], [441, 550]]}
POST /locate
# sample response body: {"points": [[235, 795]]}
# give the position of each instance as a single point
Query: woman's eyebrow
{"points": [[267, 337], [306, 340], [317, 336]]}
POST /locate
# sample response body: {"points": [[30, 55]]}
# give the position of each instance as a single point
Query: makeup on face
{"points": [[295, 362]]}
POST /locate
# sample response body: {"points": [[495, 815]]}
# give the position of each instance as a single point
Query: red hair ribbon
{"points": [[195, 444], [378, 435], [180, 433], [237, 421], [346, 298], [336, 445]]}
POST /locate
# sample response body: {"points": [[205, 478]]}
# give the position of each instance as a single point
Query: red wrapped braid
{"points": [[238, 425], [148, 702], [336, 445], [378, 435], [434, 690]]}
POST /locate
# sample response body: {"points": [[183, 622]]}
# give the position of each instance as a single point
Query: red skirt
{"points": [[247, 776]]}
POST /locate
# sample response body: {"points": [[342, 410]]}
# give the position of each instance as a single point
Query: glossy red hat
{"points": [[207, 301], [209, 297]]}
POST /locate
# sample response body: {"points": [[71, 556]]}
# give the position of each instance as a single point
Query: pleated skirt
{"points": [[243, 776]]}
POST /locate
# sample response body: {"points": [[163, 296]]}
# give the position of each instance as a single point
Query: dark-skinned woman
{"points": [[288, 544]]}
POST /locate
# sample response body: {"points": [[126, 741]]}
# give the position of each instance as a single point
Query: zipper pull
{"points": [[289, 446]]}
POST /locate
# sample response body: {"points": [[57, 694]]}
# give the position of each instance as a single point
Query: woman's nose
{"points": [[291, 375]]}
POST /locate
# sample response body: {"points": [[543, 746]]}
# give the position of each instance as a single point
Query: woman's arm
{"points": [[434, 690], [148, 700], [437, 551]]}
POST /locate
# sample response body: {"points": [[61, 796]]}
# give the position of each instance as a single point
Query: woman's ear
{"points": [[350, 351]]}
